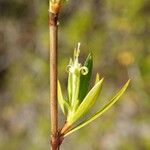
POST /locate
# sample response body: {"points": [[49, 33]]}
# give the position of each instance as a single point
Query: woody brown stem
{"points": [[55, 141]]}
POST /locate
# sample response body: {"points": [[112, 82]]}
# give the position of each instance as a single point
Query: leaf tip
{"points": [[128, 82]]}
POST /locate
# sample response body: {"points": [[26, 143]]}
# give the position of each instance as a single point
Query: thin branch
{"points": [[53, 17]]}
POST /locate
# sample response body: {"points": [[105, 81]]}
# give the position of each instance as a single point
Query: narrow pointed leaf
{"points": [[85, 79], [101, 111], [87, 103], [69, 86], [70, 83], [97, 78], [63, 104], [75, 89]]}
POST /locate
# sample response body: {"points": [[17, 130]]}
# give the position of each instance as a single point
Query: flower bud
{"points": [[54, 7]]}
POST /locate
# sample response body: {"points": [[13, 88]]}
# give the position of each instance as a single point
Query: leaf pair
{"points": [[101, 111]]}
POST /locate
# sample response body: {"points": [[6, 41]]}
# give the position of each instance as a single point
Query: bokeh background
{"points": [[118, 34]]}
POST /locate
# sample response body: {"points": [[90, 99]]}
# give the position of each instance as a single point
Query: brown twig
{"points": [[53, 17]]}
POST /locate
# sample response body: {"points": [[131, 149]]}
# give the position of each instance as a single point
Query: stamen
{"points": [[78, 50], [79, 44], [68, 68], [84, 70]]}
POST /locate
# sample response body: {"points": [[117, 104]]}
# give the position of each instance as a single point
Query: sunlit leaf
{"points": [[87, 103], [75, 90], [97, 78], [63, 104], [101, 111], [70, 83]]}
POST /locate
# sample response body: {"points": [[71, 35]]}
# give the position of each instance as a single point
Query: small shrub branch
{"points": [[53, 28]]}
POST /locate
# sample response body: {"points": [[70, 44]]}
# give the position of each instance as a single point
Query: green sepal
{"points": [[101, 111], [85, 79], [86, 104]]}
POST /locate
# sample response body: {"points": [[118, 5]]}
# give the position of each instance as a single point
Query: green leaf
{"points": [[85, 79], [75, 89], [86, 104], [63, 104], [101, 111], [97, 78], [70, 83]]}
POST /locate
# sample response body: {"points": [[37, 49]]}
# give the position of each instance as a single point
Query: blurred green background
{"points": [[118, 34]]}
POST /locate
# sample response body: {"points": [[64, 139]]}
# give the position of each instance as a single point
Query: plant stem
{"points": [[53, 79]]}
